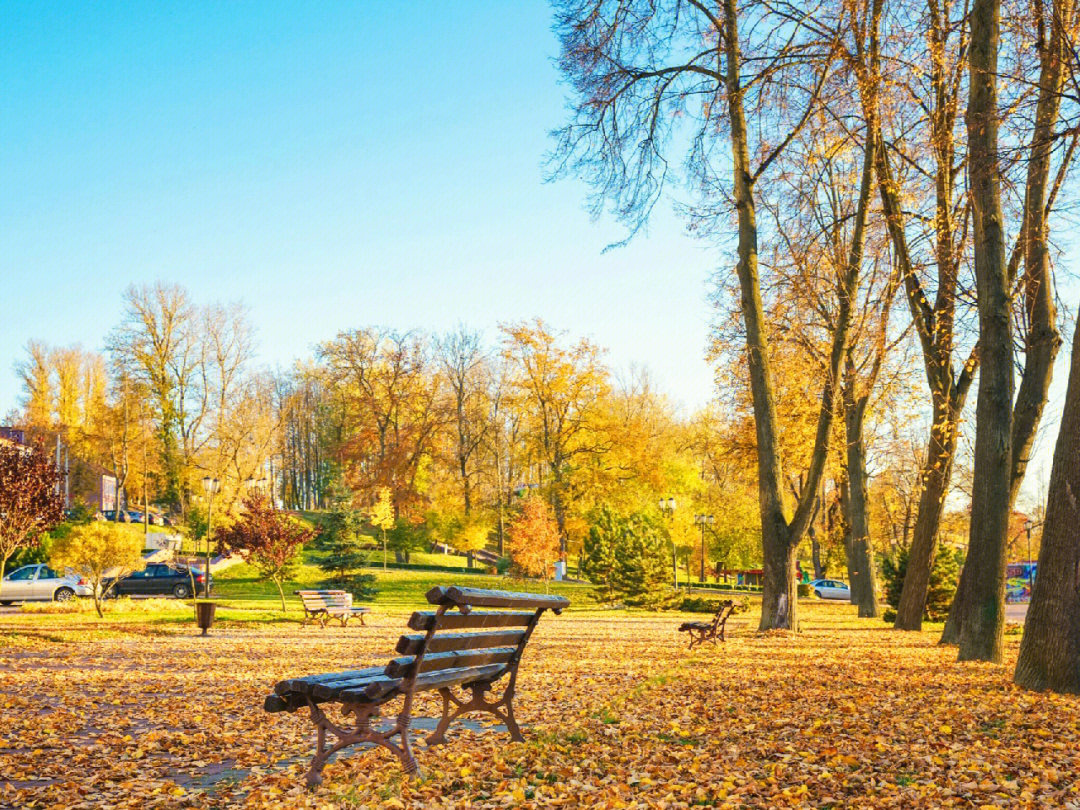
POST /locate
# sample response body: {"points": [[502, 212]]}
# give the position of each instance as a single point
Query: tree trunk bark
{"points": [[1050, 648], [778, 591], [861, 559], [983, 609], [936, 472]]}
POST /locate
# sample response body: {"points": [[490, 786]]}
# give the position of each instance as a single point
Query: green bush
{"points": [[502, 565], [696, 604], [361, 586], [944, 576]]}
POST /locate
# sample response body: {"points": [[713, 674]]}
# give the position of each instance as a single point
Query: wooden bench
{"points": [[322, 606], [700, 632], [436, 657]]}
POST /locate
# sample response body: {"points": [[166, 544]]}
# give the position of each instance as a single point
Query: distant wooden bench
{"points": [[700, 632], [322, 606], [431, 660]]}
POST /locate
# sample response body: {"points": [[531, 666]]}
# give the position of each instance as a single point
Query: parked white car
{"points": [[39, 583], [830, 589]]}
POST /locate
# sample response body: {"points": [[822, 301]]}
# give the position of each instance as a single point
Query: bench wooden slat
{"points": [[424, 620], [481, 597], [303, 685], [411, 644], [380, 689], [456, 659], [328, 690]]}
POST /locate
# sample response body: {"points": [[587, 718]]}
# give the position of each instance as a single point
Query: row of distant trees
{"points": [[454, 428]]}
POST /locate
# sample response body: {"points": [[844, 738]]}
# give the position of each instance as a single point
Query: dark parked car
{"points": [[159, 579]]}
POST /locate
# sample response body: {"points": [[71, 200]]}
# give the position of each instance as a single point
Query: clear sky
{"points": [[331, 165]]}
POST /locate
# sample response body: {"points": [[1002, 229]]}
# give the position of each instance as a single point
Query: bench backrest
{"points": [[320, 600], [725, 609], [492, 645]]}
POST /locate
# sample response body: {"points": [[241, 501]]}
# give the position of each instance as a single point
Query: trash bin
{"points": [[204, 615], [560, 570]]}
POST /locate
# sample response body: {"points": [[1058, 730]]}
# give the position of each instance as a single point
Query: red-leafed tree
{"points": [[30, 499], [267, 539], [534, 538]]}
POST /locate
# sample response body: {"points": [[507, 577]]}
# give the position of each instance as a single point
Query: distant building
{"points": [[84, 482]]}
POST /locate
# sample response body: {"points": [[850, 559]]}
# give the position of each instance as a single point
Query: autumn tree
{"points": [[1045, 160], [534, 541], [192, 362], [381, 516], [648, 78], [1050, 648], [557, 389], [97, 551], [30, 498], [464, 364], [390, 398], [266, 538]]}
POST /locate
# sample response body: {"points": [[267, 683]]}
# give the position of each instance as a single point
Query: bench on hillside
{"points": [[322, 606], [436, 657], [700, 632]]}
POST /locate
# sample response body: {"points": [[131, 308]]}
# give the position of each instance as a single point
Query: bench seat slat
{"points": [[411, 644], [481, 597], [423, 620], [303, 685], [328, 690], [455, 659], [378, 690]]}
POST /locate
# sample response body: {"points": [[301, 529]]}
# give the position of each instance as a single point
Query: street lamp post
{"points": [[701, 520], [210, 487], [667, 508]]}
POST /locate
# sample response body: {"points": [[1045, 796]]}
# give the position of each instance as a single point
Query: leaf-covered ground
{"points": [[619, 714]]}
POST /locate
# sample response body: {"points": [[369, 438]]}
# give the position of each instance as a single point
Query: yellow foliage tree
{"points": [[96, 551], [382, 517], [534, 538]]}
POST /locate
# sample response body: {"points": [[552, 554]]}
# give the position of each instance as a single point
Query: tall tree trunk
{"points": [[1043, 339], [861, 552], [936, 472], [1050, 648], [779, 594], [983, 611]]}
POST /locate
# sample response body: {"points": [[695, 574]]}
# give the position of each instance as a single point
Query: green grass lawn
{"points": [[399, 590]]}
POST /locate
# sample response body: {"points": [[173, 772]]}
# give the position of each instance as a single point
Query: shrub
{"points": [[805, 590], [268, 539], [944, 576]]}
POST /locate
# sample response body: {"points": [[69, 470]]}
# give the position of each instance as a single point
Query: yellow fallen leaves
{"points": [[617, 715]]}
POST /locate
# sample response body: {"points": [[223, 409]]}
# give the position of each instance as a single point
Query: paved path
{"points": [[1016, 613]]}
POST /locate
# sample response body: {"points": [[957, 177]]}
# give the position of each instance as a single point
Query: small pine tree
{"points": [[944, 577], [598, 558], [640, 573], [340, 554]]}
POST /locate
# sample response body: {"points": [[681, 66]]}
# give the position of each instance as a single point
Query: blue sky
{"points": [[331, 165]]}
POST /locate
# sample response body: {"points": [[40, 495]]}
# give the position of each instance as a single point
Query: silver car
{"points": [[830, 589], [38, 582]]}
